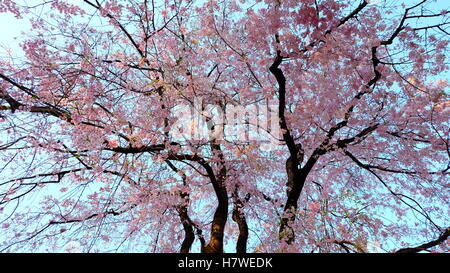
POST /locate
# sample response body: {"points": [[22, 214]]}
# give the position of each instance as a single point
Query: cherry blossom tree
{"points": [[89, 102]]}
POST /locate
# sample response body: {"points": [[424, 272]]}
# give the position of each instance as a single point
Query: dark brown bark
{"points": [[182, 209], [215, 244], [241, 244], [238, 216], [294, 180], [442, 238], [296, 175], [189, 235]]}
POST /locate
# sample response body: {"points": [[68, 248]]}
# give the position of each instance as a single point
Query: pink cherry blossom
{"points": [[225, 126]]}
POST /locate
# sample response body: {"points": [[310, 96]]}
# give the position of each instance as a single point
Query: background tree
{"points": [[361, 99]]}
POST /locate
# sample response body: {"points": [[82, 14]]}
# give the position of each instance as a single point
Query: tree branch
{"points": [[442, 238]]}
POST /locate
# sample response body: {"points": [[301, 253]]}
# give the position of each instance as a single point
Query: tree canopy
{"points": [[224, 125]]}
